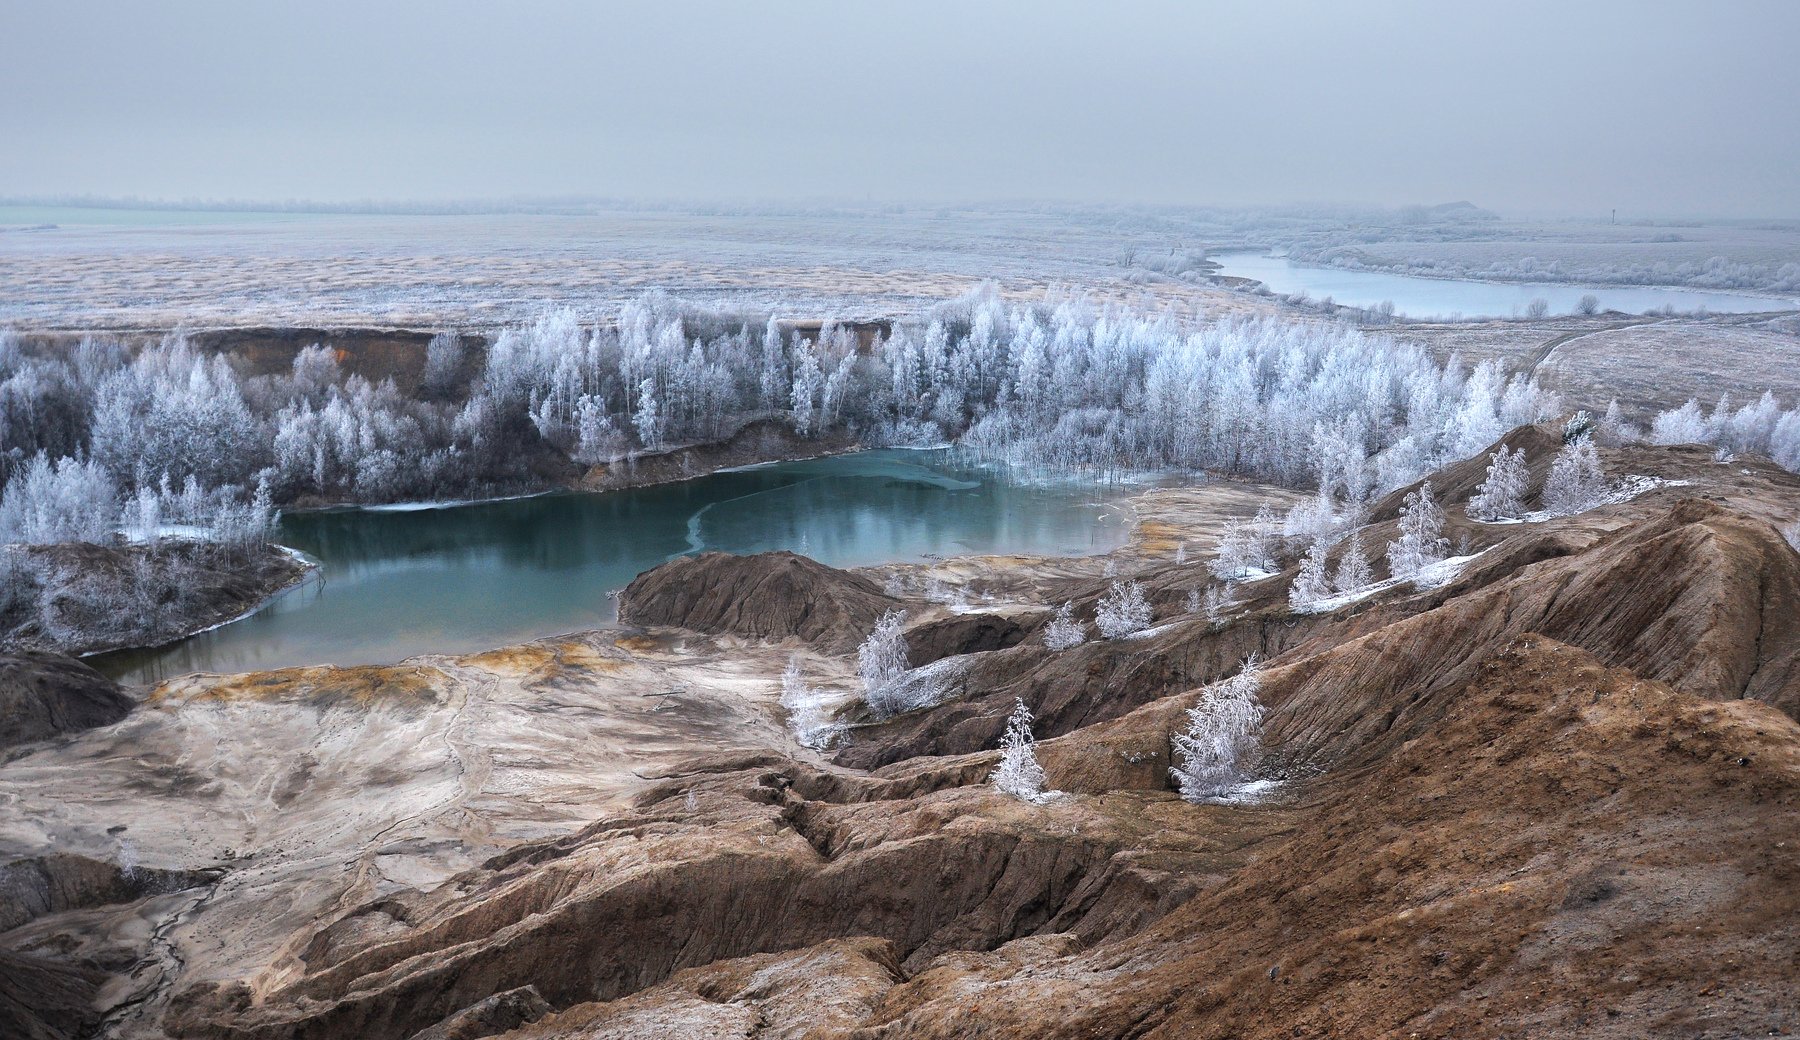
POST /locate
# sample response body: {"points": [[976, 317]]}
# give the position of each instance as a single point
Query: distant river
{"points": [[1416, 297], [394, 583]]}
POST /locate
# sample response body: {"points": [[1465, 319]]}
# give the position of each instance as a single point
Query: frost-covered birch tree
{"points": [[1577, 481], [1019, 773], [1501, 495], [1422, 542], [1216, 750]]}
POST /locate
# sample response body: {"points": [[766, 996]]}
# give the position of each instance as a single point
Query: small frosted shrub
{"points": [[1123, 610], [1064, 632], [881, 660]]}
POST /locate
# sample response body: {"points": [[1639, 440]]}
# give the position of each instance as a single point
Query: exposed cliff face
{"points": [[757, 441], [1555, 796], [770, 596]]}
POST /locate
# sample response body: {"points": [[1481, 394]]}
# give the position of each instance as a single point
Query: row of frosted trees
{"points": [[1062, 384]]}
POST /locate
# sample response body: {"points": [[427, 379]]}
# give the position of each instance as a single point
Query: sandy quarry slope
{"points": [[1553, 796]]}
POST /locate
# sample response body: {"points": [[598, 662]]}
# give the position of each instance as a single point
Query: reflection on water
{"points": [[397, 583], [1416, 297]]}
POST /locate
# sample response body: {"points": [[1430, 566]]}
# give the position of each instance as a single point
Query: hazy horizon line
{"points": [[576, 204]]}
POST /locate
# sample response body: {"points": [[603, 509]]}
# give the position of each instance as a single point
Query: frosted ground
{"points": [[121, 269]]}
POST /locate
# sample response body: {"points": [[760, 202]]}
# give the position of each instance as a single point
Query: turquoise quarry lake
{"points": [[393, 583]]}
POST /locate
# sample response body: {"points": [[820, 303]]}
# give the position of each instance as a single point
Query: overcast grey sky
{"points": [[1652, 107]]}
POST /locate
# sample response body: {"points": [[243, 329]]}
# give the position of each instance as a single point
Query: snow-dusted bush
{"points": [[1216, 601], [1422, 542], [1312, 583], [1576, 482], [1309, 522], [1063, 631], [62, 501], [808, 715], [882, 659], [1501, 495], [1247, 547], [1019, 773], [1612, 429], [1353, 571], [1761, 426], [1216, 750], [1684, 425], [1123, 610], [443, 365]]}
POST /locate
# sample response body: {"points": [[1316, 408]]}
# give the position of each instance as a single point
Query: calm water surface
{"points": [[1416, 297], [397, 583]]}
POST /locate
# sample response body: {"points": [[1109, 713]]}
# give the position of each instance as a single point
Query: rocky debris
{"points": [[770, 596], [43, 695]]}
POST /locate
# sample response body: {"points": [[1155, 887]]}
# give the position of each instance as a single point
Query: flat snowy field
{"points": [[118, 269]]}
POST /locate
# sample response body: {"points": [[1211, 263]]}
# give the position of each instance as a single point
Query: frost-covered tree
{"points": [[1310, 521], [807, 382], [1216, 601], [648, 419], [1577, 482], [598, 440], [1217, 749], [1246, 547], [68, 500], [1063, 631], [1019, 773], [808, 717], [1684, 425], [1422, 542], [1312, 583], [1613, 429], [1353, 571], [1123, 610], [444, 359], [1501, 496], [881, 660]]}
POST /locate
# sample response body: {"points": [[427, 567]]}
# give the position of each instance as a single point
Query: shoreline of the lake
{"points": [[1237, 281]]}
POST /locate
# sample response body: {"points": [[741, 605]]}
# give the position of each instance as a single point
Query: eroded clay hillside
{"points": [[1554, 795]]}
